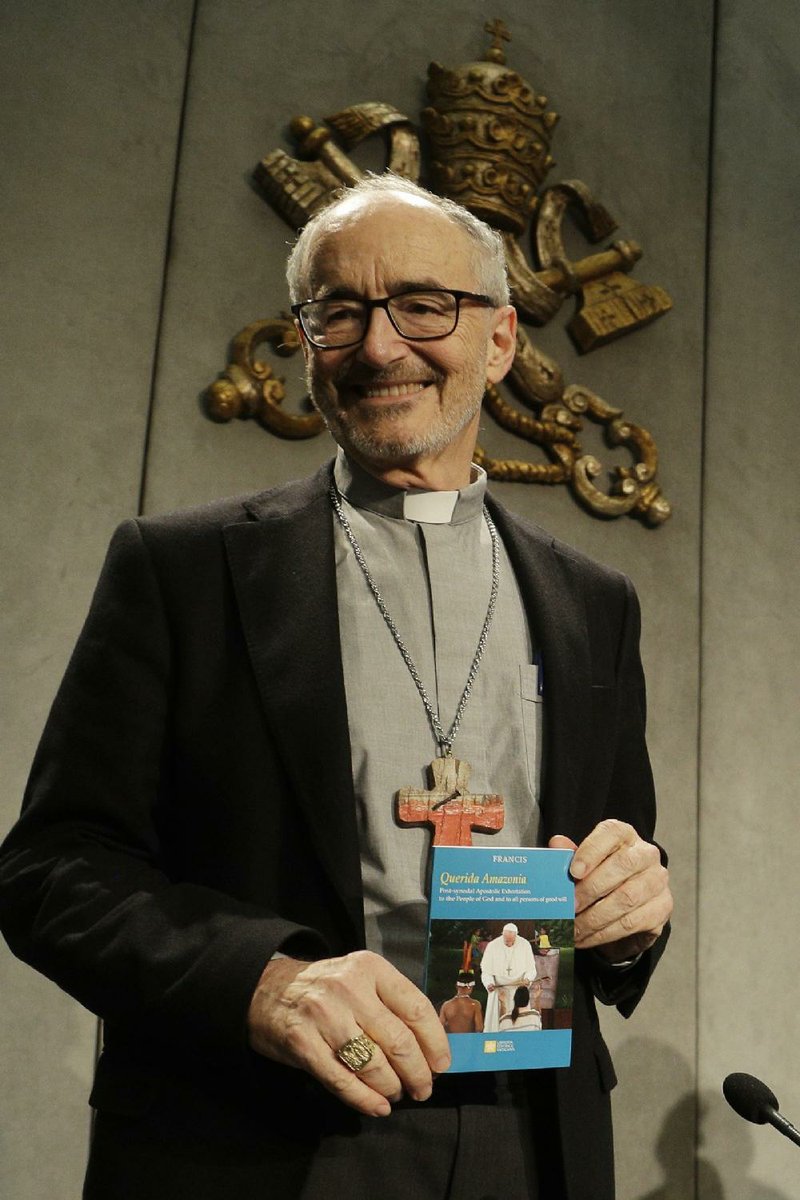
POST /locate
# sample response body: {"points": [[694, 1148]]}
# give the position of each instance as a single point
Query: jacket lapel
{"points": [[555, 606], [283, 569]]}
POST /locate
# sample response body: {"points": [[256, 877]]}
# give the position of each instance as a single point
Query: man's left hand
{"points": [[622, 895]]}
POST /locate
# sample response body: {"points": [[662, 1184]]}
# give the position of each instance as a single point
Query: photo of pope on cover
{"points": [[456, 949]]}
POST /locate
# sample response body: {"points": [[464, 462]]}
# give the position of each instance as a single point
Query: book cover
{"points": [[500, 955]]}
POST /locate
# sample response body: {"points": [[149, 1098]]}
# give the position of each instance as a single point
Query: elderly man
{"points": [[209, 855], [507, 962]]}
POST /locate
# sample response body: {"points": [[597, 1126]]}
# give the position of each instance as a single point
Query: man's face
{"points": [[389, 401], [509, 937]]}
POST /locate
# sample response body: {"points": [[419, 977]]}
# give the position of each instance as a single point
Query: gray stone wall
{"points": [[135, 247]]}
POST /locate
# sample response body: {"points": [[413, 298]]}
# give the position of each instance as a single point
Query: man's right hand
{"points": [[302, 1013]]}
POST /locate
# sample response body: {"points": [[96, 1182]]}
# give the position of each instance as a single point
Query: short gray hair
{"points": [[489, 253]]}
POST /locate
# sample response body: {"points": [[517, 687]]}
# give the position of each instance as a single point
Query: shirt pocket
{"points": [[532, 709]]}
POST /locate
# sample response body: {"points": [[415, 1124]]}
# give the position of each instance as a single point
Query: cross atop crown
{"points": [[498, 31]]}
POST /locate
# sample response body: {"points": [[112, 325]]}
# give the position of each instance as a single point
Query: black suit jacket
{"points": [[191, 810]]}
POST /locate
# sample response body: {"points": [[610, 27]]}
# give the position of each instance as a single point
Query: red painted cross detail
{"points": [[447, 805]]}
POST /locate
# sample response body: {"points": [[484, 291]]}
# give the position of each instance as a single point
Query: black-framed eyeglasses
{"points": [[420, 316]]}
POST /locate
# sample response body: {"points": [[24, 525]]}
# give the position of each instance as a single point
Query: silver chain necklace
{"points": [[445, 740]]}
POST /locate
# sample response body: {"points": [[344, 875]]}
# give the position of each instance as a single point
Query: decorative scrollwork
{"points": [[248, 387], [490, 134], [633, 489]]}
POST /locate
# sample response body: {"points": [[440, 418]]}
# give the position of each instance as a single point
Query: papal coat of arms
{"points": [[489, 135]]}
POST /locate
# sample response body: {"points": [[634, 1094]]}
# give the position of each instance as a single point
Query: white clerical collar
{"points": [[414, 504], [432, 508]]}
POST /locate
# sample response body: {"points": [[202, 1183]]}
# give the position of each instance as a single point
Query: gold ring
{"points": [[357, 1053]]}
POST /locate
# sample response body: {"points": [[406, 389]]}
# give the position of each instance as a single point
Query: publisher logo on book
{"points": [[492, 1046]]}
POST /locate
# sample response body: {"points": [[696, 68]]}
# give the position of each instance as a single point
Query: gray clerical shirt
{"points": [[430, 555]]}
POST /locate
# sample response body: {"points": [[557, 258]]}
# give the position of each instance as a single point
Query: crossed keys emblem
{"points": [[490, 134]]}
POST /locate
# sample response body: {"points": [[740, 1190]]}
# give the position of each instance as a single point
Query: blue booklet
{"points": [[499, 965]]}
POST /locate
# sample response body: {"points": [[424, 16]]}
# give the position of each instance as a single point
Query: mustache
{"points": [[356, 375]]}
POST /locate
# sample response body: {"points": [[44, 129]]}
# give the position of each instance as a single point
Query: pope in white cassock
{"points": [[507, 963]]}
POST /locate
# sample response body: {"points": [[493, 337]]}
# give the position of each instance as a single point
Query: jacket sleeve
{"points": [[86, 896], [631, 798]]}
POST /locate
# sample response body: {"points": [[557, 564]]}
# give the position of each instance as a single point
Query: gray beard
{"points": [[381, 446], [372, 439]]}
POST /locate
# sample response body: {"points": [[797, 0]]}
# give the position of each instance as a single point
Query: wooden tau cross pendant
{"points": [[448, 806]]}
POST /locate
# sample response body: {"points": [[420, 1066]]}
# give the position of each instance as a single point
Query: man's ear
{"points": [[304, 344], [502, 344]]}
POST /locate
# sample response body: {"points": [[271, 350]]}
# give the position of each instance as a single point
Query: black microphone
{"points": [[754, 1101]]}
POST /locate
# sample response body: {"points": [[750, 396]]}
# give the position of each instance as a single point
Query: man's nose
{"points": [[382, 343]]}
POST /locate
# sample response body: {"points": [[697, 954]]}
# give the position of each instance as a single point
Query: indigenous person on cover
{"points": [[524, 1012], [507, 963], [209, 855], [462, 1014]]}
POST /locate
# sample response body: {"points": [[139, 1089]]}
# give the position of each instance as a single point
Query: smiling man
{"points": [[209, 854], [410, 404]]}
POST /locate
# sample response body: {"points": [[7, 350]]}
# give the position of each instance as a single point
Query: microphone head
{"points": [[749, 1097]]}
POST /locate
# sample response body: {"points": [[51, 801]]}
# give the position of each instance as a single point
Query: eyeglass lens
{"points": [[413, 314]]}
